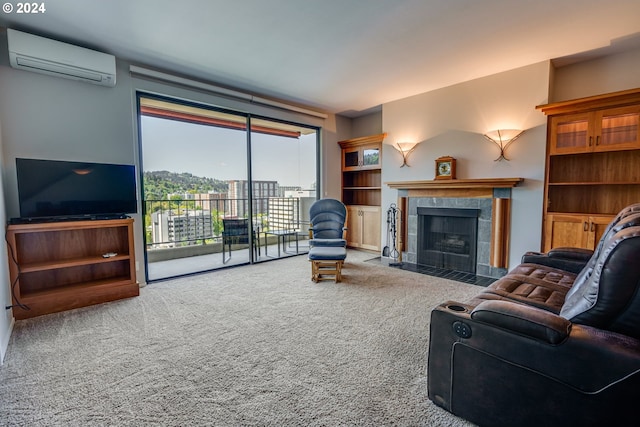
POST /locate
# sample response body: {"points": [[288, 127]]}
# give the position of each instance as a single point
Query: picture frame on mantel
{"points": [[445, 168]]}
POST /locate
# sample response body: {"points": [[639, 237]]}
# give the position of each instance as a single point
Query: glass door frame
{"points": [[140, 94]]}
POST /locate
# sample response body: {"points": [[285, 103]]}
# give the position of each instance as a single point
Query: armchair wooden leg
{"points": [[320, 269]]}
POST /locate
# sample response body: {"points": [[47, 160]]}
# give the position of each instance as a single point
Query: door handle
{"points": [[593, 226], [597, 140], [586, 226], [590, 143]]}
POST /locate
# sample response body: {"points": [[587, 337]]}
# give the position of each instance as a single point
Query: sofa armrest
{"points": [[565, 258], [524, 320], [591, 374]]}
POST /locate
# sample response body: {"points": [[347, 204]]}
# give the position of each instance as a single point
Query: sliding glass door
{"points": [[283, 170], [216, 195]]}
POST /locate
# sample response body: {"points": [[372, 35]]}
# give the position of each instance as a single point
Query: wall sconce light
{"points": [[405, 148], [503, 138]]}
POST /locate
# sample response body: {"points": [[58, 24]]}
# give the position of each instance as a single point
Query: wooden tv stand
{"points": [[59, 266]]}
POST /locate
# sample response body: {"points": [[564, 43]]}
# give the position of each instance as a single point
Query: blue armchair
{"points": [[328, 243]]}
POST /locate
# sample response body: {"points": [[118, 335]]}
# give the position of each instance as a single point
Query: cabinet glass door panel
{"points": [[370, 157], [619, 129], [570, 134], [351, 158]]}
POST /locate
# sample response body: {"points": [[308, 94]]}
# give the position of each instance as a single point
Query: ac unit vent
{"points": [[46, 56]]}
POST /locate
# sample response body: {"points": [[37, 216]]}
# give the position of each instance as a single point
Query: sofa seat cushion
{"points": [[531, 284]]}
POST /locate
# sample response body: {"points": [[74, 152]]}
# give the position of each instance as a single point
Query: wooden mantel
{"points": [[483, 183]]}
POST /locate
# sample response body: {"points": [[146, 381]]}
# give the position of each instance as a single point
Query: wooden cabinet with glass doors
{"points": [[361, 189], [593, 166]]}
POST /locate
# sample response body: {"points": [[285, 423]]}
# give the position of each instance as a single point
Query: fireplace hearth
{"points": [[447, 238]]}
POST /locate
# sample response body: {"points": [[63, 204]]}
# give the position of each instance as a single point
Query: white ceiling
{"points": [[339, 56]]}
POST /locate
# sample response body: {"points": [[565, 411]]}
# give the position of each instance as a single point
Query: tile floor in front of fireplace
{"points": [[459, 276]]}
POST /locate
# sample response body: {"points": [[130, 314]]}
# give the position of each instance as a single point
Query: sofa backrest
{"points": [[624, 213], [606, 294], [611, 229]]}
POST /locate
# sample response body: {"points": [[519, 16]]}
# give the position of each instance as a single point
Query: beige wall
{"points": [[598, 76], [452, 121], [369, 124], [335, 128], [6, 316]]}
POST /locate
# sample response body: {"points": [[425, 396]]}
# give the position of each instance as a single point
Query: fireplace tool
{"points": [[386, 250], [392, 215]]}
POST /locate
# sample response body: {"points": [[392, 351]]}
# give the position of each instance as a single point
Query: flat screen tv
{"points": [[52, 189]]}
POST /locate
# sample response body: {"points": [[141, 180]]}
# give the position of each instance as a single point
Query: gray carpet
{"points": [[253, 346]]}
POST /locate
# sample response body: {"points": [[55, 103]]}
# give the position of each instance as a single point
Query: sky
{"points": [[222, 154]]}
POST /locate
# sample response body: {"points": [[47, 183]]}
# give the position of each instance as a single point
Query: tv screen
{"points": [[55, 189]]}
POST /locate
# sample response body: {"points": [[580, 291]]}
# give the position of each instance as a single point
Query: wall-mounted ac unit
{"points": [[42, 55]]}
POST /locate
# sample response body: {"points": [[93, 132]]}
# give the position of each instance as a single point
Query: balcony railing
{"points": [[187, 222]]}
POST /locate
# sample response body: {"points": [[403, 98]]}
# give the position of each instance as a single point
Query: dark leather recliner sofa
{"points": [[555, 342]]}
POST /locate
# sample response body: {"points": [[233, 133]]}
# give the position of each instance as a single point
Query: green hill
{"points": [[159, 184]]}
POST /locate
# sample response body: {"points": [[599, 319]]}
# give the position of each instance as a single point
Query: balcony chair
{"points": [[327, 247], [236, 231], [549, 343]]}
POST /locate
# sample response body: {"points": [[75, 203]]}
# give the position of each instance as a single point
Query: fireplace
{"points": [[491, 200], [447, 238]]}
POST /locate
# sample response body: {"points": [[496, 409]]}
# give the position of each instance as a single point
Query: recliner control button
{"points": [[462, 329]]}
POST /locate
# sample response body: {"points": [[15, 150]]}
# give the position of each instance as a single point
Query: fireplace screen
{"points": [[447, 238]]}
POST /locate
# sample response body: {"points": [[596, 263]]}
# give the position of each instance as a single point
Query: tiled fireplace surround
{"points": [[460, 194], [483, 254]]}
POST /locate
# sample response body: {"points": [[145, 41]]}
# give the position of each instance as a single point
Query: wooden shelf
{"points": [[593, 183], [60, 266], [66, 263], [76, 288]]}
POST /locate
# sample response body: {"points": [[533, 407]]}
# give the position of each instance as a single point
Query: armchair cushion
{"points": [[327, 253], [532, 284], [328, 243]]}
